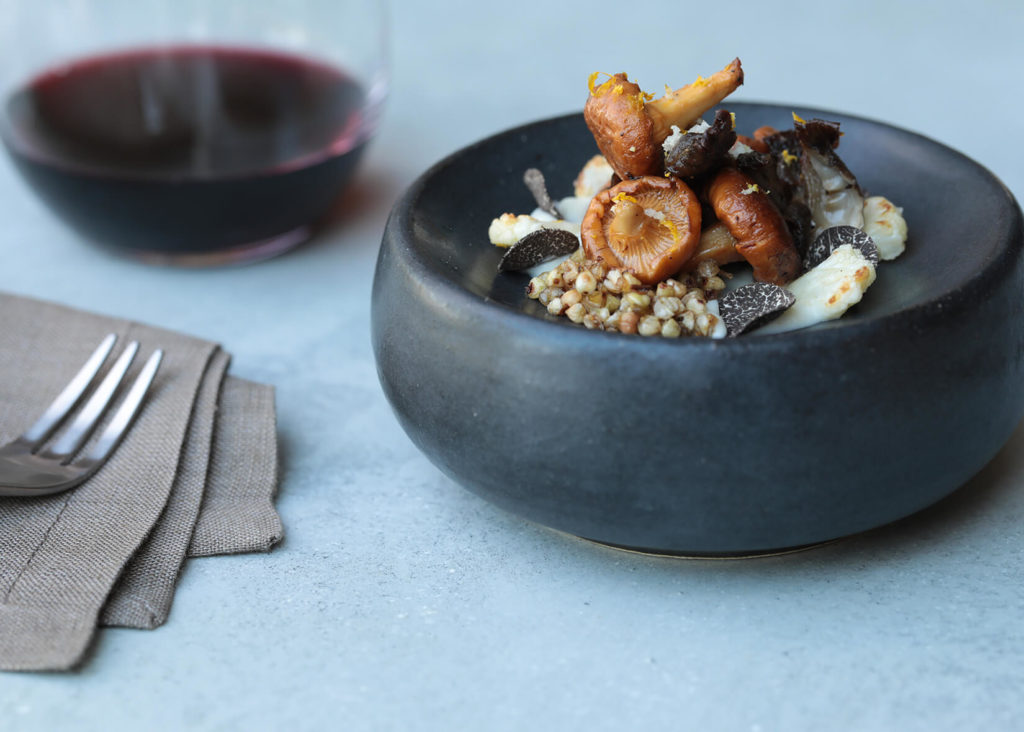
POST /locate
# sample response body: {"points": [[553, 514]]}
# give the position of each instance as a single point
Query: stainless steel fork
{"points": [[27, 468]]}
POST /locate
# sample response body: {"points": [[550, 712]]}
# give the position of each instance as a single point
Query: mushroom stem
{"points": [[628, 219], [684, 106], [716, 243]]}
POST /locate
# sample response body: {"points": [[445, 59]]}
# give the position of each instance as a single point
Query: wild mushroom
{"points": [[649, 226], [630, 130], [761, 234], [717, 244], [809, 183], [698, 152], [781, 178], [830, 190], [756, 144]]}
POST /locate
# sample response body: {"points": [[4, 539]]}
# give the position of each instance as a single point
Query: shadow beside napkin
{"points": [[195, 475]]}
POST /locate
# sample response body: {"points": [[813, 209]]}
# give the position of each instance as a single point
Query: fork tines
{"points": [[84, 423]]}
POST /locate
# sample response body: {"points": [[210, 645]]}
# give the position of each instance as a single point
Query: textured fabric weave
{"points": [[143, 594], [238, 511], [112, 548]]}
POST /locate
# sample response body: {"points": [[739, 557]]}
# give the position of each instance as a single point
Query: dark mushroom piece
{"points": [[698, 152], [829, 189], [780, 177], [809, 183], [629, 129]]}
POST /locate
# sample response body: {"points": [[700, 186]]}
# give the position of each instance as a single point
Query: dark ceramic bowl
{"points": [[695, 446]]}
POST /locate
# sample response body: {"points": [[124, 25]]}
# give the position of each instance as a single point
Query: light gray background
{"points": [[401, 601]]}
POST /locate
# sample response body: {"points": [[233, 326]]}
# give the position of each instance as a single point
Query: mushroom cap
{"points": [[624, 133], [661, 232]]}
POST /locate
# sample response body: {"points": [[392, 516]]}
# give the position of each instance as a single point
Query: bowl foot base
{"points": [[757, 554]]}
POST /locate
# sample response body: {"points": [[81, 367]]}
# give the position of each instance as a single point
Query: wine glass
{"points": [[191, 132]]}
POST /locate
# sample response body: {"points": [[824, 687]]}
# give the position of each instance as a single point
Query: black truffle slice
{"points": [[534, 180], [537, 247], [753, 305], [834, 237]]}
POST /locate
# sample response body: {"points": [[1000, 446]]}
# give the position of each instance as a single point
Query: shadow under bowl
{"points": [[695, 446]]}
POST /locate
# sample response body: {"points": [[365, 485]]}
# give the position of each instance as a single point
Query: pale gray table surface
{"points": [[401, 601]]}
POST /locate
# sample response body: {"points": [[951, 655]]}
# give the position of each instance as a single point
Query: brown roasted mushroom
{"points": [[649, 226], [763, 132], [717, 244], [757, 145], [629, 130], [761, 234]]}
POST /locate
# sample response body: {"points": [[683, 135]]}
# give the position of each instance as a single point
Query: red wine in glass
{"points": [[191, 152]]}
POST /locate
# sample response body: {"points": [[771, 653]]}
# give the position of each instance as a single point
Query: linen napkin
{"points": [[194, 476]]}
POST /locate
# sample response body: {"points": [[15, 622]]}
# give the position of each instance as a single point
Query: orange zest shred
{"points": [[732, 116], [798, 118], [599, 90], [670, 225], [620, 197], [788, 157]]}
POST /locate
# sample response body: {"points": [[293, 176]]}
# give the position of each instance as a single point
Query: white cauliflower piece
{"points": [[677, 134], [827, 291], [740, 148], [595, 176], [573, 208], [507, 229], [719, 331], [671, 140], [885, 224]]}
